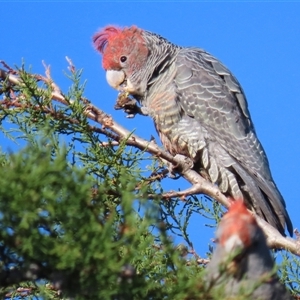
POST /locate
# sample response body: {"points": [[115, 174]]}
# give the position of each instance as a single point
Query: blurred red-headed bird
{"points": [[241, 263]]}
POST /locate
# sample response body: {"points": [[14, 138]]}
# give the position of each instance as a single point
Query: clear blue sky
{"points": [[258, 42]]}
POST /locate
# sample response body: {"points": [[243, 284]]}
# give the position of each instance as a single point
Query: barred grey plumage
{"points": [[199, 110]]}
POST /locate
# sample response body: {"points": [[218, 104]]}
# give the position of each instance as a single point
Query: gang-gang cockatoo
{"points": [[241, 263], [199, 110]]}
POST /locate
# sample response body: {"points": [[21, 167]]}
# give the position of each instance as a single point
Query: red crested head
{"points": [[239, 222], [120, 47], [238, 208]]}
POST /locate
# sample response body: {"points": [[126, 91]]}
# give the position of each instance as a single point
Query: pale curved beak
{"points": [[115, 78]]}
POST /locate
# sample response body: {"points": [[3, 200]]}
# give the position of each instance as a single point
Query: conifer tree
{"points": [[84, 213]]}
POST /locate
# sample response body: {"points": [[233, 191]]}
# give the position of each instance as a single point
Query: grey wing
{"points": [[210, 94]]}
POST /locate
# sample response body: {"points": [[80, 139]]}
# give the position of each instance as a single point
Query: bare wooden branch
{"points": [[199, 184]]}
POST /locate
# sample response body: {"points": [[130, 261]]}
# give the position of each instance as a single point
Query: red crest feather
{"points": [[238, 207], [238, 220], [101, 38]]}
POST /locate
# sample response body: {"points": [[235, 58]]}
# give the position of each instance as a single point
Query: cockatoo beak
{"points": [[115, 79]]}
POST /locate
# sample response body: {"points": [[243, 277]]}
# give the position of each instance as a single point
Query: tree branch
{"points": [[199, 184]]}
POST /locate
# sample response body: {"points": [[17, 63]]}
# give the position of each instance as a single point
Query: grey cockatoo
{"points": [[199, 110], [242, 264]]}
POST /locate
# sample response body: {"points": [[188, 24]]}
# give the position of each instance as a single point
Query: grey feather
{"points": [[213, 170], [223, 185]]}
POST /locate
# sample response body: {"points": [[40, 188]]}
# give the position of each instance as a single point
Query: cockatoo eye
{"points": [[123, 58]]}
